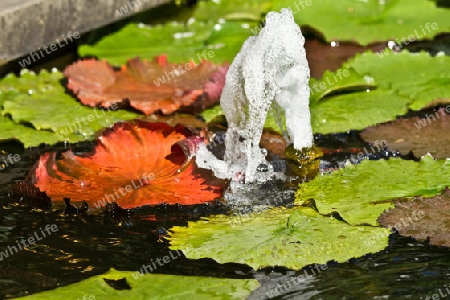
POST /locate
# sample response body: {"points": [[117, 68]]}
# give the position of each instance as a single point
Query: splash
{"points": [[269, 73]]}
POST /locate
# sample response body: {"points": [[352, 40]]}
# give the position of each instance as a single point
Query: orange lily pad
{"points": [[133, 164], [148, 86]]}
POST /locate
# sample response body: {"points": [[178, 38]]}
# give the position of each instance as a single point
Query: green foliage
{"points": [[41, 111], [370, 21], [372, 88], [356, 110], [153, 286], [292, 238], [359, 194], [418, 76], [180, 42], [232, 9]]}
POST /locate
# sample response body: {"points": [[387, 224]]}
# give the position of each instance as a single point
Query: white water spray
{"points": [[270, 72]]}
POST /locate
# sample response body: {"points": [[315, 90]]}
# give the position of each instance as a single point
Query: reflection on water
{"points": [[87, 245]]}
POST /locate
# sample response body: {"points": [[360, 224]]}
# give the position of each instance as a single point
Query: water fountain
{"points": [[269, 73]]}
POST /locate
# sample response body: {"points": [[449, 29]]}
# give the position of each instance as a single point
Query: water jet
{"points": [[270, 73]]}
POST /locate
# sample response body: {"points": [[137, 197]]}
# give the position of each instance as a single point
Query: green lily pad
{"points": [[337, 82], [345, 112], [356, 111], [27, 135], [404, 80], [227, 38], [211, 113], [232, 9], [292, 238], [72, 118], [360, 193], [419, 76], [370, 21], [28, 83], [153, 286], [180, 42], [40, 100]]}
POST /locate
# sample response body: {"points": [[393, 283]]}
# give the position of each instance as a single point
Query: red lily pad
{"points": [[421, 218], [133, 164], [322, 57], [148, 86], [273, 142], [428, 134]]}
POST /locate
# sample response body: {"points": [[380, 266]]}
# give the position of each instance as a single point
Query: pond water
{"points": [[87, 245]]}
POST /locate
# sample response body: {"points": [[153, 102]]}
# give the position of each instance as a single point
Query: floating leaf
{"points": [[218, 43], [341, 113], [370, 21], [274, 143], [145, 172], [152, 286], [428, 134], [232, 10], [292, 238], [23, 90], [361, 193], [75, 122], [419, 76], [211, 113], [12, 86], [421, 218], [345, 112], [180, 42], [403, 80], [28, 136], [187, 120], [338, 82], [331, 56], [148, 86], [226, 39], [45, 95]]}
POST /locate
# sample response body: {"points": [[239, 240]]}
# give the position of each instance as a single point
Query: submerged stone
{"points": [[304, 163]]}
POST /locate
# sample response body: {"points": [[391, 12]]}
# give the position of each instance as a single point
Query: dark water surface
{"points": [[88, 245]]}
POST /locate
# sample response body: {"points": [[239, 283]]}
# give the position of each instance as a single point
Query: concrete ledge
{"points": [[26, 25]]}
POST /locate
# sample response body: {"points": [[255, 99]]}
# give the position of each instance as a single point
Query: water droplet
{"points": [[180, 35], [190, 21], [262, 168]]}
